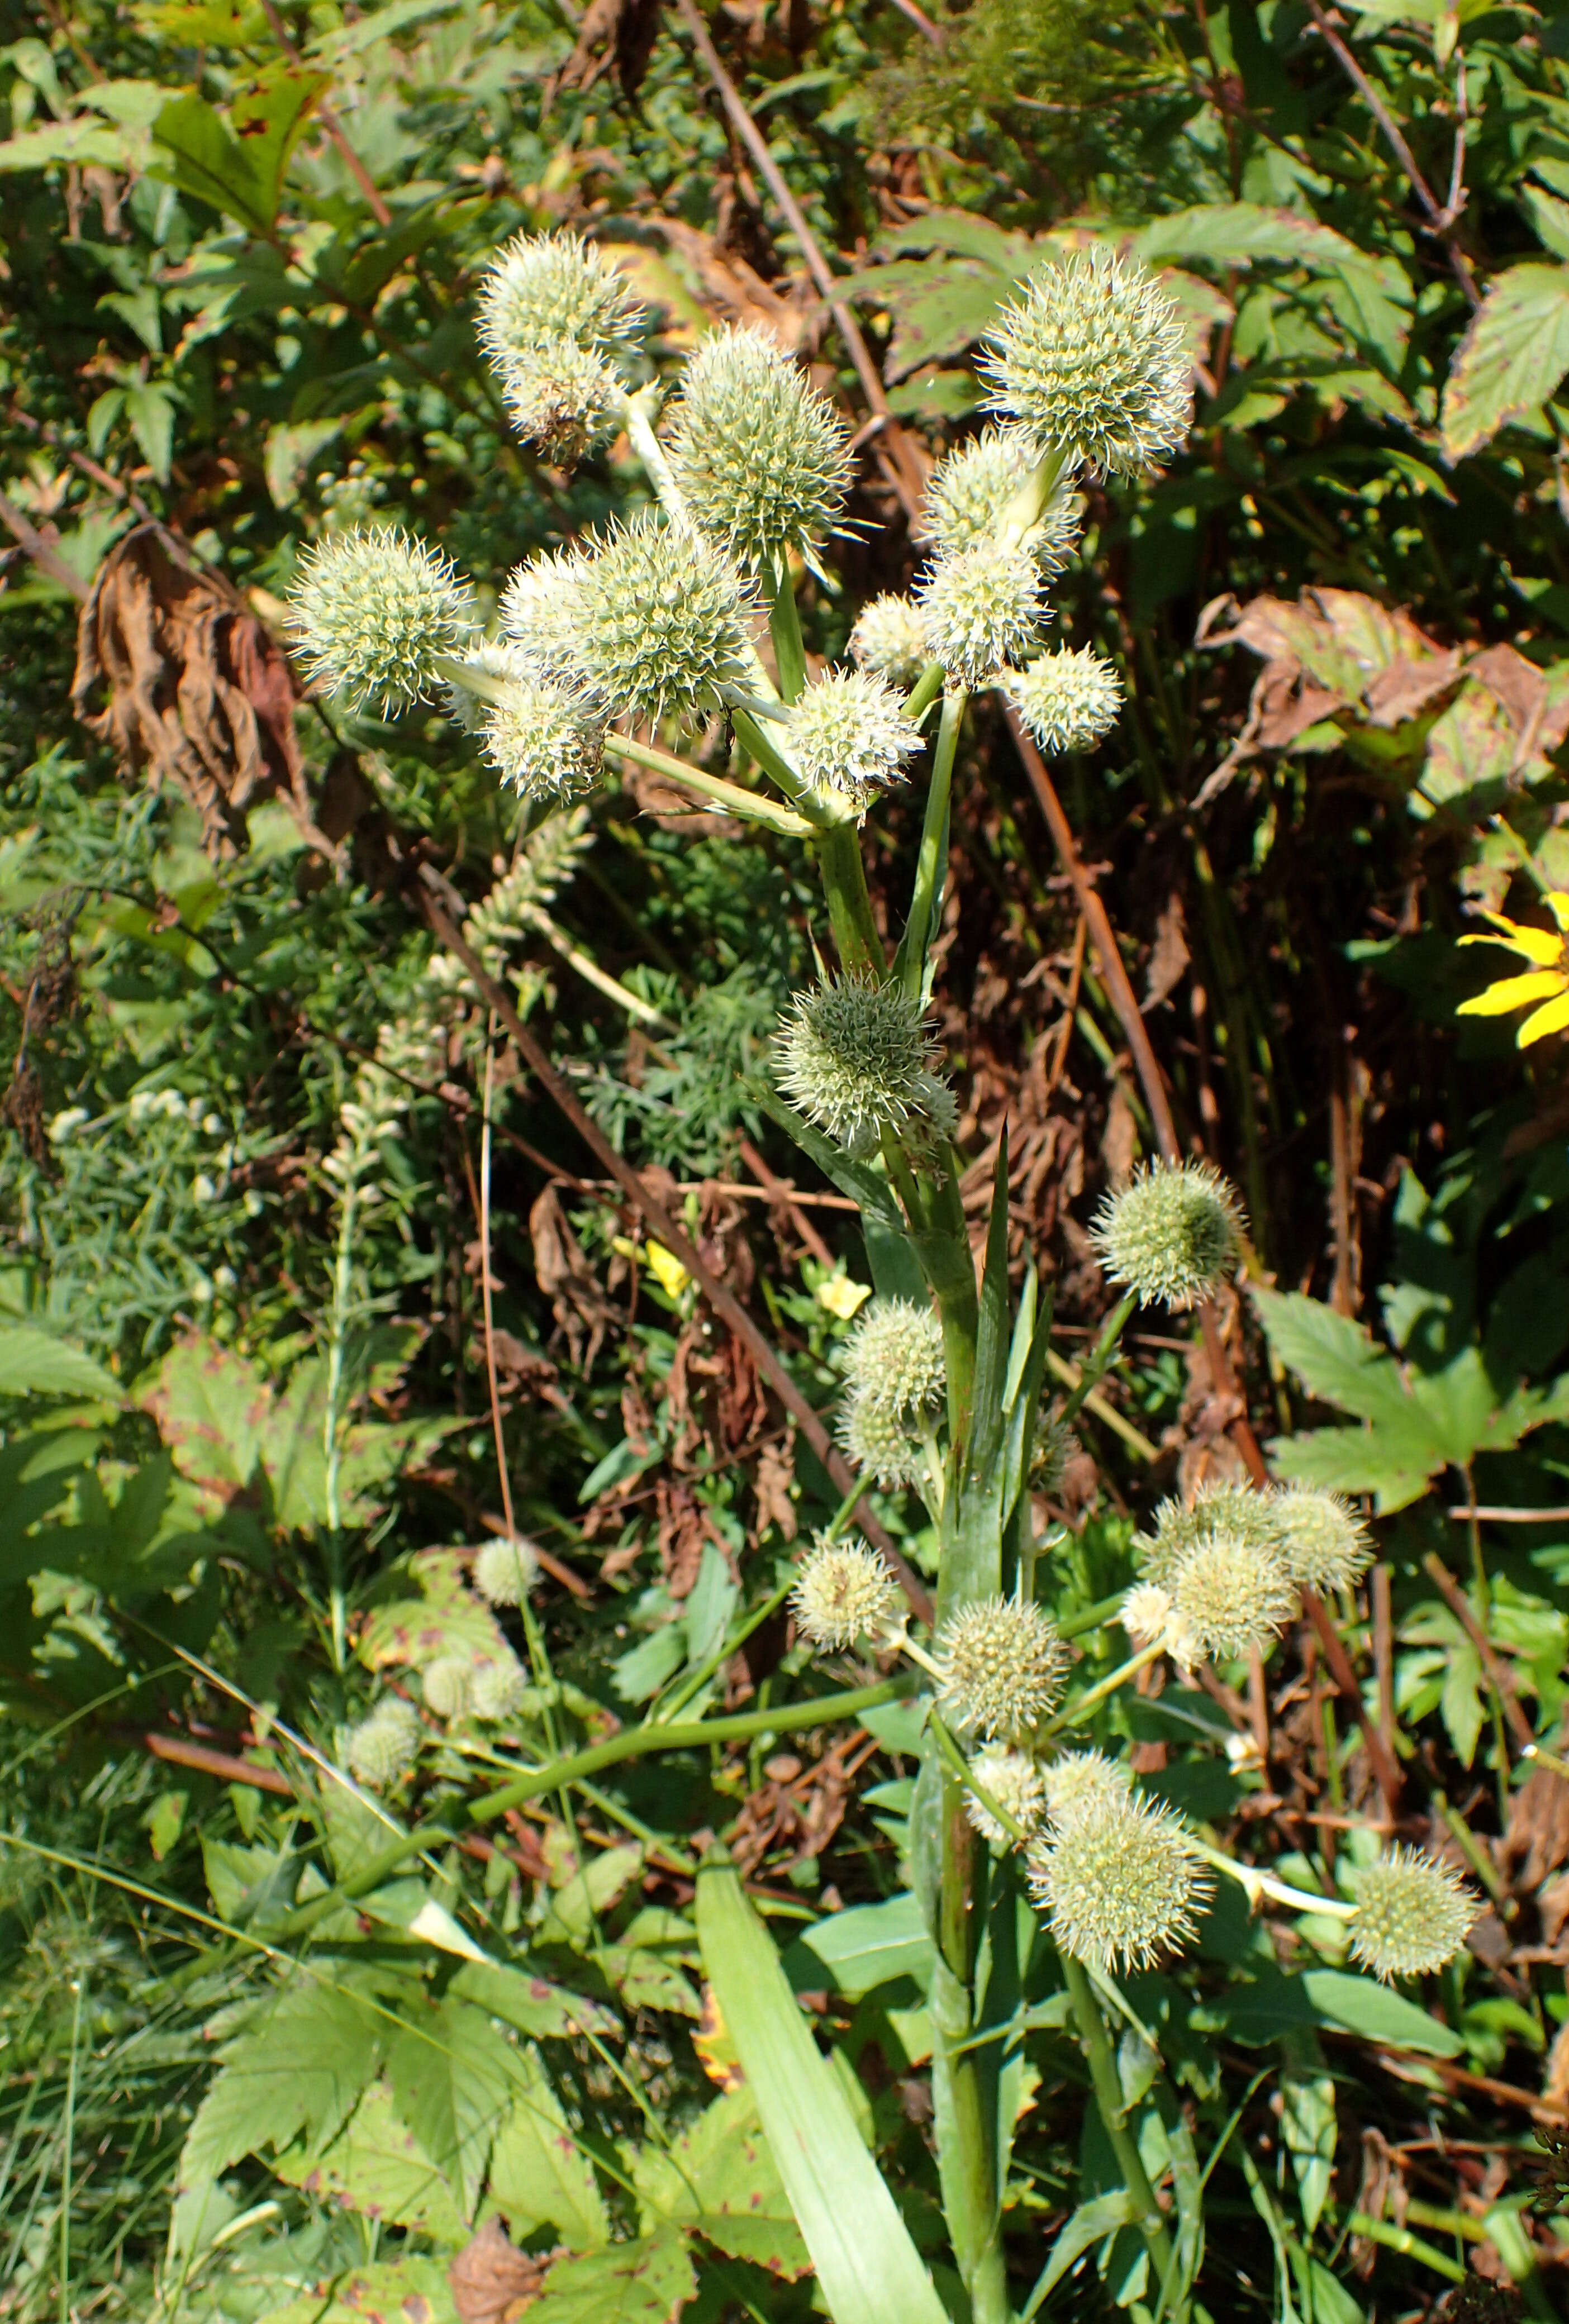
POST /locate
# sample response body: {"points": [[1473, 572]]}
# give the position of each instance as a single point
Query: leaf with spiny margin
{"points": [[720, 2178], [538, 2172], [648, 2282], [376, 2166]]}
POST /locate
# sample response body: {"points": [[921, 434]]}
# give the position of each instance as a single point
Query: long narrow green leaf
{"points": [[991, 1340], [869, 2270]]}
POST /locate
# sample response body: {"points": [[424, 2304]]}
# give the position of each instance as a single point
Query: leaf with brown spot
{"points": [[492, 2280]]}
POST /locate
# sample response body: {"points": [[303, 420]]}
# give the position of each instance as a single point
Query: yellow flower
{"points": [[1547, 984], [663, 1265], [842, 1297]]}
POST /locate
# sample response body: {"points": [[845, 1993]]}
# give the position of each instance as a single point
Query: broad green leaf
{"points": [[648, 2282], [237, 162], [1362, 2006], [720, 2178], [868, 1946], [375, 2165], [1334, 1358], [1511, 360], [375, 24], [413, 2290], [1307, 2131], [1089, 2225], [531, 2004], [210, 1403], [1384, 1461], [1242, 233], [539, 2174], [33, 1362], [455, 2083], [1461, 1704], [868, 2269], [84, 143], [446, 1619]]}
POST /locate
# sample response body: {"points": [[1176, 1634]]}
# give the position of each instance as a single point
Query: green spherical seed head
{"points": [[1323, 1542], [373, 612], [540, 744], [498, 1687], [981, 612], [856, 1056], [504, 1572], [1234, 1511], [970, 493], [881, 1444], [496, 657], [545, 288], [1081, 1778], [448, 1684], [1413, 1913], [1003, 1666], [1068, 700], [1171, 1235], [658, 625], [1119, 1883], [889, 640], [385, 1747], [846, 1592], [562, 397], [1091, 360], [1231, 1594], [761, 459], [1012, 1780], [849, 737], [893, 1358]]}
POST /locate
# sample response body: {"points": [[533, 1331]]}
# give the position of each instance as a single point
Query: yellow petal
{"points": [[667, 1270], [1557, 903], [1513, 992], [1531, 944], [1553, 1019], [842, 1297]]}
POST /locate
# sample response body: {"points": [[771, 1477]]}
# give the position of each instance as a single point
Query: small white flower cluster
{"points": [[1222, 1573]]}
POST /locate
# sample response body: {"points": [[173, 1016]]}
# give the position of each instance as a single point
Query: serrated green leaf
{"points": [[539, 2174], [1381, 1461], [1461, 1705], [33, 1362], [868, 2269], [531, 2004], [412, 2290], [1334, 1358], [720, 2178], [1512, 359], [237, 162], [376, 2166], [455, 2084], [648, 2282]]}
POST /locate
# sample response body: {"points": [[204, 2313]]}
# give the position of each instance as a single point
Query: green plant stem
{"points": [[784, 623], [68, 2136], [932, 858], [1108, 2089], [924, 691], [971, 2192], [1409, 2247], [331, 1423], [1080, 1710], [1093, 1368], [750, 807], [850, 917]]}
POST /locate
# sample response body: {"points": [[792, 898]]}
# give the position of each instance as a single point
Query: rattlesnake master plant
{"points": [[679, 618]]}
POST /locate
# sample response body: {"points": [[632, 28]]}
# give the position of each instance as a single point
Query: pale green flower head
{"points": [[893, 1358], [761, 459], [1172, 1234], [849, 737], [382, 1747], [1081, 1778], [505, 1572], [981, 612], [1003, 1666], [971, 491], [497, 658], [540, 744], [881, 1444], [1119, 1881], [1413, 1913], [1012, 1780], [846, 1592], [1091, 361], [562, 397], [498, 1687], [543, 289], [858, 1057], [889, 640], [448, 1684], [375, 611], [1230, 1593], [1068, 700], [1222, 1511], [1325, 1544]]}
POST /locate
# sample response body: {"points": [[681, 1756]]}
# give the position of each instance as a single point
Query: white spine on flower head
{"points": [[981, 612], [1119, 1880], [849, 737], [889, 640], [760, 457], [1230, 1593], [1078, 1778], [541, 745], [1068, 699], [375, 611], [857, 1056], [1172, 1234], [845, 1591], [893, 1358], [1002, 1666], [506, 1571], [1012, 1780], [1413, 1913], [563, 399], [1092, 361], [970, 493], [556, 319], [881, 1444], [1323, 1542], [385, 1746]]}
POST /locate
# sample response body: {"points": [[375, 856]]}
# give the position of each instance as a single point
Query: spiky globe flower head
{"points": [[448, 1684], [1231, 1593], [543, 289], [1232, 1511], [845, 1591], [1081, 1777], [374, 610], [893, 1358], [506, 1571], [1012, 1780], [761, 459], [649, 621], [856, 1056], [498, 1687], [563, 397], [1119, 1881], [1323, 1542], [980, 612], [1068, 699], [1003, 1666], [881, 1444], [1091, 361], [540, 743], [849, 737], [1413, 1913], [1145, 1612], [971, 494], [497, 658], [385, 1746], [889, 640], [1171, 1235]]}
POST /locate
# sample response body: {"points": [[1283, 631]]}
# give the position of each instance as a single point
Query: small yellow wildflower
{"points": [[1547, 984], [841, 1297]]}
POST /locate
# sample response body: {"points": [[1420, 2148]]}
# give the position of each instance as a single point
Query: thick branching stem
{"points": [[1108, 2088]]}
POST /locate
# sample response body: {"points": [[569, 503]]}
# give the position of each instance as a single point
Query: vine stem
{"points": [[1108, 2088]]}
